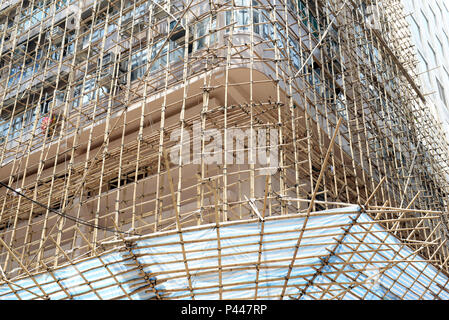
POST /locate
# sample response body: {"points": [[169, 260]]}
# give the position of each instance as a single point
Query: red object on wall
{"points": [[48, 123]]}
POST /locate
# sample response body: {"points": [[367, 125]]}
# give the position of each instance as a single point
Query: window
{"points": [[45, 107], [87, 92], [267, 28], [294, 52], [55, 53], [161, 61], [16, 126], [4, 128], [133, 19], [202, 31], [308, 18], [176, 51], [138, 64], [22, 122], [313, 72], [174, 48], [32, 14], [14, 75], [69, 47], [98, 32], [241, 16], [29, 119], [59, 4]]}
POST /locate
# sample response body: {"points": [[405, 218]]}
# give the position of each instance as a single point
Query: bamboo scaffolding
{"points": [[123, 117]]}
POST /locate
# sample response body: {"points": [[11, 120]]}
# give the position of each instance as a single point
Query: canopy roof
{"points": [[343, 254]]}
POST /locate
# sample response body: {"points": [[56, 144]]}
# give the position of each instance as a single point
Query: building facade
{"points": [[430, 36], [217, 149]]}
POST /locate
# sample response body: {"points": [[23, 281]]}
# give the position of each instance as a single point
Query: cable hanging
{"points": [[74, 219]]}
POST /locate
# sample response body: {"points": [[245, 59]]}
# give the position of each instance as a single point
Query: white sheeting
{"points": [[163, 261]]}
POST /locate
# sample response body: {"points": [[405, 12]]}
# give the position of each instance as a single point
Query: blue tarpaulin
{"points": [[333, 262]]}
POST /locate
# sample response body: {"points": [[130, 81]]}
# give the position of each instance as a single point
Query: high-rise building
{"points": [[429, 22], [217, 150]]}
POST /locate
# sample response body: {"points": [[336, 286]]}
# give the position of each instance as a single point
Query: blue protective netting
{"points": [[362, 265]]}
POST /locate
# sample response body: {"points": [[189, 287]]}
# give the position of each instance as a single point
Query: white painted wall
{"points": [[429, 22]]}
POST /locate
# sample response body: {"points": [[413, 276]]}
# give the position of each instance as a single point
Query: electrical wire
{"points": [[69, 217]]}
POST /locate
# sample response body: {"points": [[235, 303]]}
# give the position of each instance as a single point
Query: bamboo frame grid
{"points": [[122, 78]]}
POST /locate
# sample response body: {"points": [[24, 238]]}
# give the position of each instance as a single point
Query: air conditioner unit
{"points": [[82, 52], [56, 35], [72, 22], [140, 24], [123, 67], [161, 29], [136, 26], [106, 77], [108, 58]]}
